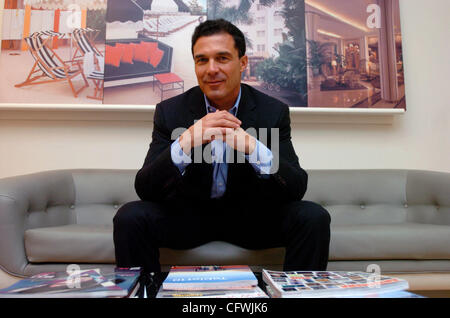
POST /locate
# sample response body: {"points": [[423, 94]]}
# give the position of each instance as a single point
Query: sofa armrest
{"points": [[31, 201]]}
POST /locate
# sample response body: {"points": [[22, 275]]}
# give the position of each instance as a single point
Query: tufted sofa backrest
{"points": [[92, 196], [62, 197], [360, 196], [427, 197], [99, 193], [381, 196]]}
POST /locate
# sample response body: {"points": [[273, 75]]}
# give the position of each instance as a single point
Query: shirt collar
{"points": [[233, 110]]}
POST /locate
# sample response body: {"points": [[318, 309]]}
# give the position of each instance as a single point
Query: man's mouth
{"points": [[214, 83]]}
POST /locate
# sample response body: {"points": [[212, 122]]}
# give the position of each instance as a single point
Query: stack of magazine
{"points": [[118, 282], [332, 284], [236, 281]]}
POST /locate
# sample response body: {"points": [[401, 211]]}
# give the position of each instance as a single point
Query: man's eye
{"points": [[223, 58], [201, 61]]}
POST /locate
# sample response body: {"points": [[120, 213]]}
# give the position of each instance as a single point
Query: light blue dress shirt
{"points": [[260, 158]]}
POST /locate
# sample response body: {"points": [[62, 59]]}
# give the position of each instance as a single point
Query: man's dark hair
{"points": [[211, 27]]}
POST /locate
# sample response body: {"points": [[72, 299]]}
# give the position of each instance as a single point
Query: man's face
{"points": [[218, 68]]}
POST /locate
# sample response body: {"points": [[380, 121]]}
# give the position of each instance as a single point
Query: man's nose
{"points": [[212, 67]]}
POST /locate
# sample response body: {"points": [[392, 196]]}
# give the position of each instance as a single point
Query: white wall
{"points": [[419, 139]]}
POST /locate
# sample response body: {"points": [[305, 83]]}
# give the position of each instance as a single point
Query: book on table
{"points": [[235, 281], [119, 282], [210, 278], [298, 284], [255, 292], [394, 294]]}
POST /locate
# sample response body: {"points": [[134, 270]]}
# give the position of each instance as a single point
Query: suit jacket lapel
{"points": [[247, 109], [248, 115], [197, 105], [197, 109]]}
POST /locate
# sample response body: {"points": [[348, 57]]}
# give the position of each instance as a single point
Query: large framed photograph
{"points": [[307, 53]]}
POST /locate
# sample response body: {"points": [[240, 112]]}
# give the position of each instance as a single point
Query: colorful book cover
{"points": [[330, 284], [210, 278], [83, 284], [124, 277]]}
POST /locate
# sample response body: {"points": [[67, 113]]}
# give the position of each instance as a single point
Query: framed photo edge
{"points": [[105, 112]]}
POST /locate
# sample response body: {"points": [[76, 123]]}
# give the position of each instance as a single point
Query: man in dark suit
{"points": [[221, 166]]}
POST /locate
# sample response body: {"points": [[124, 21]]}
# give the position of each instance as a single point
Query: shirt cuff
{"points": [[261, 159], [179, 158]]}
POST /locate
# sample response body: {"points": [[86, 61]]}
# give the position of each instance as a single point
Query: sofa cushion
{"points": [[73, 243], [222, 253], [94, 244], [128, 53], [156, 57], [150, 46], [407, 241], [113, 55], [141, 52]]}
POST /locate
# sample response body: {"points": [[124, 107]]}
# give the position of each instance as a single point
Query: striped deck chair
{"points": [[94, 68], [84, 42], [97, 79], [48, 66]]}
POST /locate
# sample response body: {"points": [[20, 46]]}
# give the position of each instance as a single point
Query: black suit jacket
{"points": [[160, 180]]}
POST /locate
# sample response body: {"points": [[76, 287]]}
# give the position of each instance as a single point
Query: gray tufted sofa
{"points": [[397, 219]]}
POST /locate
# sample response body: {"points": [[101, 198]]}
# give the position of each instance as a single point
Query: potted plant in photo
{"points": [[319, 54], [288, 71]]}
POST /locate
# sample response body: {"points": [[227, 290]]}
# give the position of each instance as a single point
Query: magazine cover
{"points": [[209, 278], [85, 284], [330, 284], [124, 277]]}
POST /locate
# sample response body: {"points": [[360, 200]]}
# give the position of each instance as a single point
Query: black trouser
{"points": [[302, 227]]}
